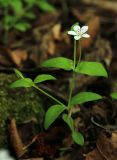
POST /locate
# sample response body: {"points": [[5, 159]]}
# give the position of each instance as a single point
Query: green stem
{"points": [[48, 95], [72, 84], [80, 52], [73, 77], [71, 89], [75, 53]]}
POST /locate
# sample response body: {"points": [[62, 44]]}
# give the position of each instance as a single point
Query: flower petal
{"points": [[71, 33], [84, 29], [86, 35], [77, 37], [76, 28]]}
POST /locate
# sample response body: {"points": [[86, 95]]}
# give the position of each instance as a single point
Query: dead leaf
{"points": [[56, 31], [15, 139], [18, 56], [94, 26], [107, 145], [94, 155], [105, 5], [51, 48], [82, 15]]}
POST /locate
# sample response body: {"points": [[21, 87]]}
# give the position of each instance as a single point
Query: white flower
{"points": [[4, 155], [78, 32]]}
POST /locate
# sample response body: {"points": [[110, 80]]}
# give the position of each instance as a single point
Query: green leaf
{"points": [[18, 73], [45, 6], [59, 62], [22, 26], [114, 95], [83, 97], [52, 114], [92, 69], [30, 2], [43, 77], [17, 6], [30, 15], [8, 22], [78, 138], [69, 121], [4, 3], [25, 82]]}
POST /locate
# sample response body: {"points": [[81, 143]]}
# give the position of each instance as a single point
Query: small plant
{"points": [[77, 67], [17, 13]]}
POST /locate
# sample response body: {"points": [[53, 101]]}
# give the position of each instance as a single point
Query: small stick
{"points": [[15, 139]]}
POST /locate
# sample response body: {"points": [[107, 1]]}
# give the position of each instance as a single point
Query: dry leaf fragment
{"points": [[56, 31], [51, 48], [82, 15], [107, 146], [18, 56], [94, 155], [94, 26], [106, 5], [15, 139]]}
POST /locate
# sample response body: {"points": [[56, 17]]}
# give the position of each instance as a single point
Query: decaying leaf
{"points": [[107, 145], [94, 26], [105, 5], [94, 155], [18, 56], [15, 139], [56, 31]]}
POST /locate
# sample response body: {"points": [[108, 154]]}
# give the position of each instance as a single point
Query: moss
{"points": [[23, 104]]}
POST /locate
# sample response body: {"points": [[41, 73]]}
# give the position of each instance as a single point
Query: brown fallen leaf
{"points": [[94, 26], [51, 47], [82, 15], [18, 56], [15, 139], [105, 5], [56, 31], [94, 155], [107, 145]]}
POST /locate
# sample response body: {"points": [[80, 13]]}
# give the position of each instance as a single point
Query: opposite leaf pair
{"points": [[59, 109]]}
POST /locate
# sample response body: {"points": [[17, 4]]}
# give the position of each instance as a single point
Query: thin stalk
{"points": [[73, 77], [48, 95], [75, 53], [80, 52], [71, 89]]}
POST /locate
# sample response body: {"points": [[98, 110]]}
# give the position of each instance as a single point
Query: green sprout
{"points": [[77, 67]]}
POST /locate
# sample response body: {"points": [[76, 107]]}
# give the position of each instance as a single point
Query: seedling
{"points": [[76, 66]]}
